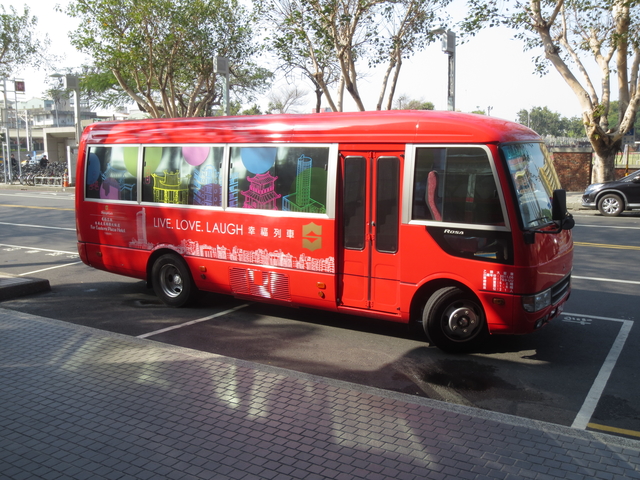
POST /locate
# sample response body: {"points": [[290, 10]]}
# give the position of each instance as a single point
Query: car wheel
{"points": [[611, 205], [172, 281], [454, 320]]}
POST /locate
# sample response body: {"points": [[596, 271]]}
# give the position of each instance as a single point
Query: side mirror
{"points": [[559, 205], [559, 213]]}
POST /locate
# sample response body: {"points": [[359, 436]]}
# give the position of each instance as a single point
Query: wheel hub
{"points": [[462, 321], [172, 283]]}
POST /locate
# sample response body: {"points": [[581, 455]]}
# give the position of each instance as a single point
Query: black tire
{"points": [[172, 281], [454, 320], [610, 205]]}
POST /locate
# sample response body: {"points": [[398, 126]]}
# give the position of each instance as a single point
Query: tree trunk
{"points": [[604, 165]]}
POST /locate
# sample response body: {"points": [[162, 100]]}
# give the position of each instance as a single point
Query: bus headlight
{"points": [[533, 303]]}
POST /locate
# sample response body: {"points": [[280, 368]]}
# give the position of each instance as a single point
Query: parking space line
{"points": [[595, 393], [193, 322], [606, 428]]}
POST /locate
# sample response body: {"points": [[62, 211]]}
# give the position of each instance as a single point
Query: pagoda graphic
{"points": [[261, 194], [170, 188]]}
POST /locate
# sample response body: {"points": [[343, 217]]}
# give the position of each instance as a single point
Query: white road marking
{"points": [[609, 226], [18, 247], [37, 226], [50, 268], [631, 282], [58, 195], [599, 384], [193, 322]]}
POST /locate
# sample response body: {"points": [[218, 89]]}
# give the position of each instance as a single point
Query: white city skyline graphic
{"points": [[259, 256]]}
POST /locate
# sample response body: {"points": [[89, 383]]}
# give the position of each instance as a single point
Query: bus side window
{"points": [[455, 184], [471, 194], [183, 175], [111, 173], [354, 202], [428, 184], [292, 178], [387, 204]]}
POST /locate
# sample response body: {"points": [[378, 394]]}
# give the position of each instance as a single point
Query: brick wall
{"points": [[622, 172], [573, 166]]}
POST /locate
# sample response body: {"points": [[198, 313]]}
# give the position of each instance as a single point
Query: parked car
{"points": [[612, 198]]}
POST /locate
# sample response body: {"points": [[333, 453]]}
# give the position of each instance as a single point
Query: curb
{"points": [[13, 287]]}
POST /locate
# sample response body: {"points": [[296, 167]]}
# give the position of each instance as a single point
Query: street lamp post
{"points": [[449, 47], [71, 82], [221, 66]]}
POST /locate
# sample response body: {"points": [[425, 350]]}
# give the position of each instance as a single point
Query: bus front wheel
{"points": [[172, 281], [454, 320]]}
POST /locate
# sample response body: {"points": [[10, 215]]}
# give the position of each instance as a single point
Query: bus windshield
{"points": [[534, 180]]}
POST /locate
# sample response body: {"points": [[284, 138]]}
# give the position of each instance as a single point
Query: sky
{"points": [[492, 71]]}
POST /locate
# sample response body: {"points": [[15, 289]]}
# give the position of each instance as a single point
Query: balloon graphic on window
{"points": [[258, 160], [152, 157], [195, 155], [93, 169], [130, 158]]}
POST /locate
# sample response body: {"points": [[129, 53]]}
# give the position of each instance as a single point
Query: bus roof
{"points": [[389, 126]]}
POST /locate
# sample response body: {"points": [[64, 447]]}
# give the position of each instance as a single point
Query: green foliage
{"points": [[160, 52], [331, 41], [614, 116], [545, 122], [564, 34], [403, 102], [253, 110], [20, 44]]}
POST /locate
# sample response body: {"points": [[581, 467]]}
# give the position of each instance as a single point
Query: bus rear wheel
{"points": [[454, 320], [172, 281]]}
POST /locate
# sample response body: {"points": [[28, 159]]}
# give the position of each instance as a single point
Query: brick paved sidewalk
{"points": [[79, 403]]}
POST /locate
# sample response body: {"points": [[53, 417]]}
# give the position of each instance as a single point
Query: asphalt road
{"points": [[580, 370]]}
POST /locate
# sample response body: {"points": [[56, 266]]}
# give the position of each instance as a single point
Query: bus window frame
{"points": [[332, 168], [138, 174], [408, 178], [180, 205]]}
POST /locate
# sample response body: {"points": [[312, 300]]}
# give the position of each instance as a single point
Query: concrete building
{"points": [[43, 125]]}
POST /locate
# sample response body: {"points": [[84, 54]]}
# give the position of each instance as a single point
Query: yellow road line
{"points": [[605, 428], [605, 245], [40, 208]]}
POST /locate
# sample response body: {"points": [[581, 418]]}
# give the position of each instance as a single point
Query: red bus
{"points": [[453, 221]]}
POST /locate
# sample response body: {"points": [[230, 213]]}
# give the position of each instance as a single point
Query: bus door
{"points": [[368, 267]]}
